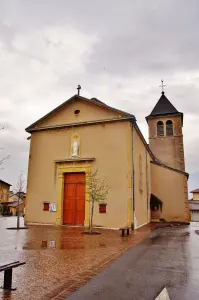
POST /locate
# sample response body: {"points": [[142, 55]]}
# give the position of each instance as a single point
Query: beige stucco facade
{"points": [[108, 140], [142, 181], [88, 112], [168, 149], [100, 148], [169, 186]]}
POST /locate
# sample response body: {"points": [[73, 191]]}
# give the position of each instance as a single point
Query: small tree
{"points": [[19, 191], [97, 190]]}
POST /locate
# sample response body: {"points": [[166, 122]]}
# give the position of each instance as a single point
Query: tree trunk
{"points": [[18, 214], [91, 222]]}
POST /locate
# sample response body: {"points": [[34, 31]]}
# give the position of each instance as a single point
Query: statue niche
{"points": [[75, 146]]}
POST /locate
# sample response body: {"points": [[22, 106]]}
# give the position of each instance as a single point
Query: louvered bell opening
{"points": [[160, 128], [169, 128]]}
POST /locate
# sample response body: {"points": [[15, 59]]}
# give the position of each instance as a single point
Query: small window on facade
{"points": [[44, 244], [169, 128], [46, 206], [160, 128], [102, 208], [76, 112]]}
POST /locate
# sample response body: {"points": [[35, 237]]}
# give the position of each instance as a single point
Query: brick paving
{"points": [[59, 260]]}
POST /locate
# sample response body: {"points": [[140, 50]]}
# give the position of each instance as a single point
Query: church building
{"points": [[146, 181]]}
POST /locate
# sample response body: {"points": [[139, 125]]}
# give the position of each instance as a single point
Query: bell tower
{"points": [[165, 134]]}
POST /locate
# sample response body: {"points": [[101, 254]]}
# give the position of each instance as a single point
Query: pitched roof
{"points": [[158, 163], [92, 100], [163, 108], [195, 191], [1, 181], [15, 203]]}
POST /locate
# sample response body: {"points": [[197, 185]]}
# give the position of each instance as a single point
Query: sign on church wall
{"points": [[53, 207]]}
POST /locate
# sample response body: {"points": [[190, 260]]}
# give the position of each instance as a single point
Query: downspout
{"points": [[147, 188], [133, 179]]}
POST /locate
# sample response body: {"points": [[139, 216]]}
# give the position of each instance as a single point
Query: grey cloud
{"points": [[7, 126], [138, 43], [158, 42], [13, 144], [7, 33], [17, 149], [193, 183], [186, 97]]}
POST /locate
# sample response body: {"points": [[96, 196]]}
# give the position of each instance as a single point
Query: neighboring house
{"points": [[4, 197], [194, 206], [13, 205], [14, 196], [83, 134], [4, 191]]}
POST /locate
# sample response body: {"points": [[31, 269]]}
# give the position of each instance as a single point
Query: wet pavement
{"points": [[58, 259], [169, 258]]}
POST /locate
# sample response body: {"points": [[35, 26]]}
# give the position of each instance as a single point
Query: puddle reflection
{"points": [[63, 245]]}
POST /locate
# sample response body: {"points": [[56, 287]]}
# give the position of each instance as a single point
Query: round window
{"points": [[76, 112]]}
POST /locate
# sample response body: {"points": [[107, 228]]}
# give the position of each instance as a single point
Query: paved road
{"points": [[168, 258]]}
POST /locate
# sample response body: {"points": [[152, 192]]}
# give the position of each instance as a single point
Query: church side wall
{"points": [[171, 188], [110, 145], [142, 181]]}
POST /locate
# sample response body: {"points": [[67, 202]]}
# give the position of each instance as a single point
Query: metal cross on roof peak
{"points": [[78, 89], [162, 86]]}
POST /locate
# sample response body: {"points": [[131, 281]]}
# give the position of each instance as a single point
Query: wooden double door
{"points": [[74, 199]]}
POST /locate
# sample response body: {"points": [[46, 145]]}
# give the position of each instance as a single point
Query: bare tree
{"points": [[19, 192], [2, 160], [1, 168], [97, 190], [6, 157]]}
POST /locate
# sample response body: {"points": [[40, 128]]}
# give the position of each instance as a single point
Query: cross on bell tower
{"points": [[78, 89], [162, 86]]}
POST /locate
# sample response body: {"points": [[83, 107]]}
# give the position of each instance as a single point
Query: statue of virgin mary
{"points": [[75, 148]]}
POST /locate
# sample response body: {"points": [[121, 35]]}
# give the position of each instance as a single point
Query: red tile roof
{"points": [[15, 203], [195, 191]]}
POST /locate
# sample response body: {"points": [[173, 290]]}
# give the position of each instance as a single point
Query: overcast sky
{"points": [[117, 50]]}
